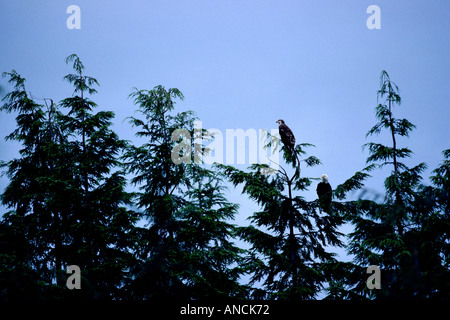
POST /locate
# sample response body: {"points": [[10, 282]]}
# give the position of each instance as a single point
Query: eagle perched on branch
{"points": [[287, 137], [324, 191]]}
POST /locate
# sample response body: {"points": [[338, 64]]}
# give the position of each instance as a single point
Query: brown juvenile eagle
{"points": [[287, 137]]}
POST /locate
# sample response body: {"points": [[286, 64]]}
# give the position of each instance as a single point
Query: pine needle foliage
{"points": [[288, 259], [66, 194], [399, 234], [186, 251], [66, 204]]}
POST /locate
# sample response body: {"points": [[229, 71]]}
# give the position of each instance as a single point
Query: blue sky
{"points": [[245, 64]]}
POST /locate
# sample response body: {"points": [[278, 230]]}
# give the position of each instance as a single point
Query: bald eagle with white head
{"points": [[324, 191]]}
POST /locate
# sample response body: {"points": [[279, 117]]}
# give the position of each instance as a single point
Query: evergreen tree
{"points": [[186, 250], [206, 239], [101, 227], [26, 228], [429, 236], [68, 204], [288, 237], [397, 235]]}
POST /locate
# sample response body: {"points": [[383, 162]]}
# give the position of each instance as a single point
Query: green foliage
{"points": [[399, 235], [187, 249], [289, 235], [67, 204]]}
